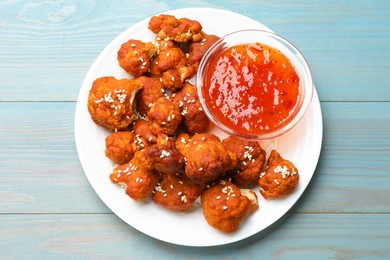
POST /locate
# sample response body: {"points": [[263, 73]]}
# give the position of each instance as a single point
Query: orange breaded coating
{"points": [[251, 159], [171, 57], [179, 30], [121, 146], [164, 117], [142, 129], [206, 157], [137, 176], [191, 110], [173, 79], [134, 56], [167, 159], [225, 206], [151, 91], [176, 192], [198, 49], [110, 102], [280, 177]]}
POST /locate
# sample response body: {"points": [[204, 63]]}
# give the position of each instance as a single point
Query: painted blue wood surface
{"points": [[48, 210]]}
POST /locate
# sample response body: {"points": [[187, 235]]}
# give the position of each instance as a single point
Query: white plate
{"points": [[302, 146]]}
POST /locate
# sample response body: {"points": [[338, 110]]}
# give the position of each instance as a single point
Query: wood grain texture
{"points": [[101, 236], [48, 210]]}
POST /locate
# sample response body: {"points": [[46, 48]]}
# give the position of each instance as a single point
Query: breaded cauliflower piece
{"points": [[198, 49], [176, 192], [142, 130], [151, 91], [225, 206], [179, 30], [280, 177], [134, 56], [206, 157], [121, 146], [164, 117], [137, 176], [251, 159], [170, 57], [110, 102], [195, 119], [167, 159]]}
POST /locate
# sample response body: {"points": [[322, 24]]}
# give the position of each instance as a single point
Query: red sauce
{"points": [[251, 88]]}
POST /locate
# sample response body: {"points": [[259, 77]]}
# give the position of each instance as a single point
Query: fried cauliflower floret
{"points": [[151, 91], [176, 192], [110, 102], [174, 79], [206, 157], [164, 117], [142, 130], [225, 206], [121, 146], [198, 49], [137, 176], [167, 159], [179, 30], [280, 177], [251, 159], [134, 56], [195, 120], [171, 57]]}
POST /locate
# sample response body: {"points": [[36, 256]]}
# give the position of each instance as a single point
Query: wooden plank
{"points": [[41, 172], [102, 236], [345, 44]]}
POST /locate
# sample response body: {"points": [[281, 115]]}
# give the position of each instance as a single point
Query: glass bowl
{"points": [[263, 38]]}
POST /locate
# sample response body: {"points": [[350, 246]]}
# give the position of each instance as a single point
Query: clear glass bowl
{"points": [[285, 47]]}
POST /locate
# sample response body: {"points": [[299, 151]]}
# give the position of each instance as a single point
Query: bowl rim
{"points": [[300, 65]]}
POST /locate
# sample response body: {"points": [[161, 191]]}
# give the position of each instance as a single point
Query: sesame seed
{"points": [[225, 207], [218, 197]]}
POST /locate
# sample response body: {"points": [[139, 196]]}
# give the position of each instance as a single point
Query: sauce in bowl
{"points": [[251, 88], [254, 84]]}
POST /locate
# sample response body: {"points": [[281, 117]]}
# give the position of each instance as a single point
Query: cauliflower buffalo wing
{"points": [[206, 157], [191, 110], [225, 205], [137, 176], [280, 177], [167, 159], [198, 49], [170, 57], [176, 192], [179, 30], [121, 146], [110, 102], [151, 91], [142, 130], [134, 57], [164, 117], [251, 159]]}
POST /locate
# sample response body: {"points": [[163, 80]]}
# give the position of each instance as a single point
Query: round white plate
{"points": [[302, 146]]}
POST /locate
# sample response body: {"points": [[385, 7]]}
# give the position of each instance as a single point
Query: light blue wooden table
{"points": [[48, 210]]}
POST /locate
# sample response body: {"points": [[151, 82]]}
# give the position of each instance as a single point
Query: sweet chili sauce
{"points": [[251, 88]]}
